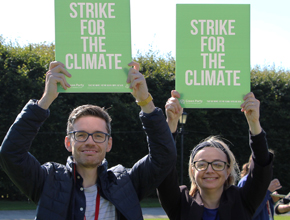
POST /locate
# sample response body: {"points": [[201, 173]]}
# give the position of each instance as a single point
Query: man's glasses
{"points": [[216, 165], [82, 136]]}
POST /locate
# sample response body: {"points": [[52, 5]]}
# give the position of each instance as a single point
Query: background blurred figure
{"points": [[283, 206], [266, 209]]}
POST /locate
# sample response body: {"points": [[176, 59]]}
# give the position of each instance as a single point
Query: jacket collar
{"points": [[225, 205], [70, 165]]}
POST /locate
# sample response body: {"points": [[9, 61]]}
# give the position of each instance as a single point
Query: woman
{"points": [[212, 171]]}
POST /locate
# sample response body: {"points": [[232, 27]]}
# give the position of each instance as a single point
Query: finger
{"points": [[172, 107], [136, 82], [62, 82], [58, 78], [175, 94], [177, 104], [250, 104], [250, 94], [173, 101], [248, 100], [132, 75], [61, 69], [174, 104], [64, 85], [51, 74], [135, 65], [277, 183], [54, 64], [254, 105]]}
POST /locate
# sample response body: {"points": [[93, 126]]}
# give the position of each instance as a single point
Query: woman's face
{"points": [[210, 180]]}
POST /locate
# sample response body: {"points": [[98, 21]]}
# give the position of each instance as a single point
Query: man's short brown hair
{"points": [[88, 110]]}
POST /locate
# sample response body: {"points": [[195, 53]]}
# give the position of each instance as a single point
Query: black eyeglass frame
{"points": [[90, 134], [210, 163]]}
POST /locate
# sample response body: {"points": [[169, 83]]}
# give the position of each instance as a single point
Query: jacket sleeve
{"points": [[23, 168], [150, 171], [169, 195], [262, 205], [260, 174]]}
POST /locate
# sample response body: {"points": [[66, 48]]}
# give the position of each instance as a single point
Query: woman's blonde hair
{"points": [[214, 141]]}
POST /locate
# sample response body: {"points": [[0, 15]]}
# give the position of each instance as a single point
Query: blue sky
{"points": [[153, 26]]}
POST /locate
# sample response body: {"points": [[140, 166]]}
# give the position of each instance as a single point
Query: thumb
{"points": [[175, 94]]}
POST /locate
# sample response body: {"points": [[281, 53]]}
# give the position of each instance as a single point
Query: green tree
{"points": [[272, 89], [22, 72]]}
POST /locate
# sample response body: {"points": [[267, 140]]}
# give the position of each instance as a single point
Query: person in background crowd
{"points": [[283, 205], [265, 211]]}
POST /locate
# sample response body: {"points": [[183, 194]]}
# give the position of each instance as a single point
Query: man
{"points": [[85, 188], [283, 206]]}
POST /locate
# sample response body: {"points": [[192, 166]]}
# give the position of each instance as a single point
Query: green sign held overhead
{"points": [[212, 54], [93, 41]]}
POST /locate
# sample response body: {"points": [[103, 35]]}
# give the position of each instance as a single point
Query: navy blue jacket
{"points": [[55, 188], [262, 211]]}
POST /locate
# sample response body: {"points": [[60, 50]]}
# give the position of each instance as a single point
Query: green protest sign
{"points": [[93, 41], [212, 54]]}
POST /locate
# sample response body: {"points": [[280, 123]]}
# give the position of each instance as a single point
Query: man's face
{"points": [[88, 154]]}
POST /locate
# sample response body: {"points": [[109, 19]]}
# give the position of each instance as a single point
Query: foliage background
{"points": [[22, 76]]}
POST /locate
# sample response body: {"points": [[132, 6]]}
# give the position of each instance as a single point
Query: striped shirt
{"points": [[107, 210]]}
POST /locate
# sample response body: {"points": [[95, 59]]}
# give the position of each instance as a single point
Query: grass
{"points": [[146, 203], [16, 205], [150, 203], [282, 217], [276, 217], [156, 219], [24, 205]]}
